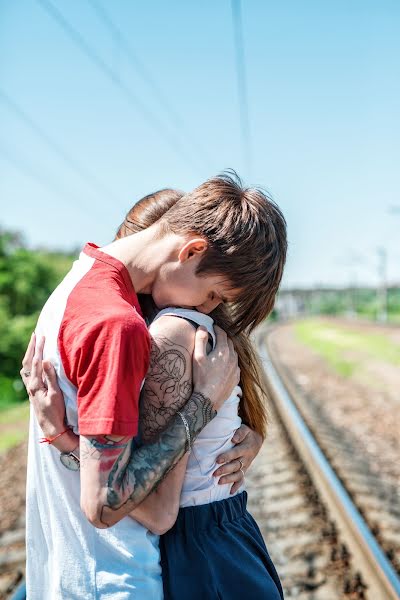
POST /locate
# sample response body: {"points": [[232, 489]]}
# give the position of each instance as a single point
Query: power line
{"points": [[21, 165], [242, 87], [73, 164], [143, 71], [80, 41]]}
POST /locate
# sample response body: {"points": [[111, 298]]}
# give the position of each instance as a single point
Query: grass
{"points": [[344, 348], [13, 425], [14, 413]]}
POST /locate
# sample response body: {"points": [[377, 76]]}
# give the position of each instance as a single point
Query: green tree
{"points": [[27, 278]]}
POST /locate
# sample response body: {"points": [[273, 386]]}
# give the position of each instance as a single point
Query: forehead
{"points": [[223, 286]]}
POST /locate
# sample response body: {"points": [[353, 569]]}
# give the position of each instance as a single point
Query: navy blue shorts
{"points": [[216, 551]]}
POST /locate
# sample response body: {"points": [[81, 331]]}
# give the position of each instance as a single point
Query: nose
{"points": [[209, 305]]}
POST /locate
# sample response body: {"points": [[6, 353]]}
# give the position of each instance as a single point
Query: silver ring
{"points": [[27, 373], [241, 463], [241, 469]]}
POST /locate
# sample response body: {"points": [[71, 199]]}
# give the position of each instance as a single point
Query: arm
{"points": [[116, 476], [168, 386], [165, 391], [48, 403]]}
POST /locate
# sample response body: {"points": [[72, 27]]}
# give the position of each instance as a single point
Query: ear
{"points": [[192, 248]]}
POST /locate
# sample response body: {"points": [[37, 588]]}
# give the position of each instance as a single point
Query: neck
{"points": [[143, 254]]}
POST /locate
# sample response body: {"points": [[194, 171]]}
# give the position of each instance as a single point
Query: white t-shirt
{"points": [[199, 485], [68, 558], [92, 325]]}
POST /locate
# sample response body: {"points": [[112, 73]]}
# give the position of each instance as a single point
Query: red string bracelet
{"points": [[45, 440]]}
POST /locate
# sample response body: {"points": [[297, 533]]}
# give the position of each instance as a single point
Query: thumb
{"points": [[200, 343], [51, 376]]}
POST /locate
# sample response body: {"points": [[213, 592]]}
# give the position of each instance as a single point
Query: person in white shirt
{"points": [[198, 487]]}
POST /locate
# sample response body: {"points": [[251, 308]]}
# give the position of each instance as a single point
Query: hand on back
{"points": [[45, 395], [217, 373]]}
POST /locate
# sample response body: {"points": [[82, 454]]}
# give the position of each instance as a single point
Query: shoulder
{"points": [[175, 330], [117, 326]]}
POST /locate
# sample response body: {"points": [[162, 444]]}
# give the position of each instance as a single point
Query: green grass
{"points": [[344, 348], [13, 425], [15, 413], [11, 438]]}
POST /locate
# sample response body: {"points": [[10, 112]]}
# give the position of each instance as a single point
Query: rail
{"points": [[369, 558]]}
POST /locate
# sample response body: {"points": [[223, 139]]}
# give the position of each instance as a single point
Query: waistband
{"points": [[215, 513]]}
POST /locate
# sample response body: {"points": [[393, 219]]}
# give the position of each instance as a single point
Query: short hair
{"points": [[246, 233]]}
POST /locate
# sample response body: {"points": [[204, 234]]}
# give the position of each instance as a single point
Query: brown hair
{"points": [[252, 408], [246, 232], [147, 211]]}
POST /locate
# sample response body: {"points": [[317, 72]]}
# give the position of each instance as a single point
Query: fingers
{"points": [[51, 377], [236, 477], [200, 343], [236, 486], [230, 467], [232, 472], [240, 434], [37, 358], [222, 339], [36, 378], [232, 454], [28, 358]]}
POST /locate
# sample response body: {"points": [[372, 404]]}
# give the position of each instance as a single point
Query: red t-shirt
{"points": [[104, 345]]}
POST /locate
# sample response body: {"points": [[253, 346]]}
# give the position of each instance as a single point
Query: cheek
{"points": [[176, 288]]}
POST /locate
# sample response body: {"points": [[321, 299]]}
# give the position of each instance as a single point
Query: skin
{"points": [[116, 476], [166, 390], [166, 268]]}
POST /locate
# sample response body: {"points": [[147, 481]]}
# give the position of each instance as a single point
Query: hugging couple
{"points": [[148, 399]]}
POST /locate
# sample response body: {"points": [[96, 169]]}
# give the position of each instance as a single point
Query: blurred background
{"points": [[104, 102]]}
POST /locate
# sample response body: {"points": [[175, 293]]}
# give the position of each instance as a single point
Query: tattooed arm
{"points": [[167, 388], [116, 476]]}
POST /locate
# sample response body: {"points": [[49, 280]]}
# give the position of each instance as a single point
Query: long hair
{"points": [[252, 408]]}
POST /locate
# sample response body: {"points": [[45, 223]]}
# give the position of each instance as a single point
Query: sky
{"points": [[104, 102]]}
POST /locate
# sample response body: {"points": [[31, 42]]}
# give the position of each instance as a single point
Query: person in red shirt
{"points": [[181, 257]]}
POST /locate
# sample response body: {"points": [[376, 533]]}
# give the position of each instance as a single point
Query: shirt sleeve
{"points": [[108, 363]]}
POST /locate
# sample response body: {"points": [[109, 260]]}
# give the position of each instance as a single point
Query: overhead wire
{"points": [[89, 178], [151, 119], [242, 86], [138, 66], [24, 167]]}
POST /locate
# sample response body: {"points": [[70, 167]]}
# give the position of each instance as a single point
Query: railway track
{"points": [[319, 541], [376, 566]]}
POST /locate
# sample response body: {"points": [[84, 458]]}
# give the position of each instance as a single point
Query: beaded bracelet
{"points": [[186, 424], [45, 440]]}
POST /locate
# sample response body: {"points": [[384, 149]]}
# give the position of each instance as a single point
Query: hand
{"points": [[45, 395], [217, 373], [247, 445]]}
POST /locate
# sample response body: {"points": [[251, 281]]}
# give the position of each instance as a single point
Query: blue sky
{"points": [[323, 94]]}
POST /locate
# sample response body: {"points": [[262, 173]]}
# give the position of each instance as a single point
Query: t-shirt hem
{"points": [[108, 427]]}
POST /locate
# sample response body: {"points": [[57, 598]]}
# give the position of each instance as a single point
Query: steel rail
{"points": [[377, 571]]}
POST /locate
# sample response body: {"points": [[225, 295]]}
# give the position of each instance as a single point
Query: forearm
{"points": [[67, 442], [159, 510], [138, 471]]}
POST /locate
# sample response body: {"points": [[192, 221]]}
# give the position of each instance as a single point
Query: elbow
{"points": [[165, 521], [162, 526], [93, 513]]}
